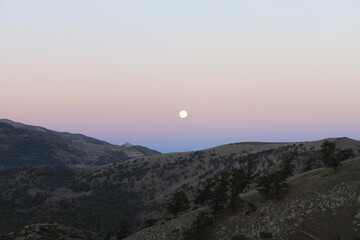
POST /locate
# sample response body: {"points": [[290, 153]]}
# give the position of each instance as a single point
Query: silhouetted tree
{"points": [[287, 168], [345, 154], [328, 154], [219, 194], [250, 172], [238, 182], [309, 164], [224, 188], [272, 185], [178, 203], [203, 195]]}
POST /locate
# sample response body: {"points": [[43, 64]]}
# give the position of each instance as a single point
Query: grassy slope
{"points": [[321, 204], [157, 177]]}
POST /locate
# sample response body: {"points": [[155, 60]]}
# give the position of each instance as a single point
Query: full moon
{"points": [[183, 114]]}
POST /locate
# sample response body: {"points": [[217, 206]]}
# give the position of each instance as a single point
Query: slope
{"points": [[321, 204], [24, 145], [136, 189]]}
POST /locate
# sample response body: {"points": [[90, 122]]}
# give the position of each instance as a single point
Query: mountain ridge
{"points": [[26, 145]]}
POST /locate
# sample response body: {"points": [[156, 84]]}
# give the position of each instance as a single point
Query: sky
{"points": [[120, 71]]}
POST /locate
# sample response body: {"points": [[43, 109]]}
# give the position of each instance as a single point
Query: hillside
{"points": [[157, 177], [135, 190], [24, 145], [320, 204], [46, 231]]}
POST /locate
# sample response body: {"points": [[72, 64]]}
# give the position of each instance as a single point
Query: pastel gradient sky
{"points": [[264, 70]]}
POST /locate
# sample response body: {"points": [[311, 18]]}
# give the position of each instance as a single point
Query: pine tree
{"points": [[345, 154], [250, 172], [202, 196], [219, 195], [279, 186], [287, 168], [178, 203], [328, 154], [309, 164], [264, 185], [238, 182], [273, 185]]}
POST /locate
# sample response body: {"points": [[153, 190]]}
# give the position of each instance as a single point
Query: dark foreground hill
{"points": [[24, 145], [99, 198], [46, 231]]}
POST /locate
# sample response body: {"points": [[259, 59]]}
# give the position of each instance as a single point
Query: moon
{"points": [[183, 114]]}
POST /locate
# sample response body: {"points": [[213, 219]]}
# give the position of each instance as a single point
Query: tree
{"points": [[215, 192], [263, 185], [178, 203], [309, 164], [328, 154], [273, 185], [279, 186], [219, 195], [250, 172], [345, 154], [238, 182], [287, 168], [204, 194]]}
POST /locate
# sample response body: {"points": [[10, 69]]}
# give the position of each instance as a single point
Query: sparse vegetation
{"points": [[136, 189], [224, 189], [274, 185], [331, 156]]}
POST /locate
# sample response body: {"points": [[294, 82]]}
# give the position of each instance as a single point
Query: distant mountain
{"points": [[135, 190], [24, 145]]}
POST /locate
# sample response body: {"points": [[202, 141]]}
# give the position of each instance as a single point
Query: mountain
{"points": [[24, 145], [135, 190]]}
